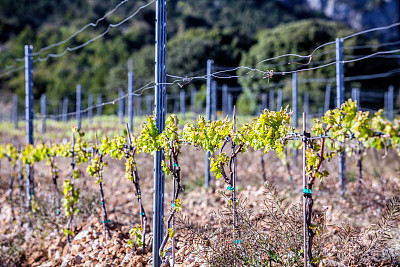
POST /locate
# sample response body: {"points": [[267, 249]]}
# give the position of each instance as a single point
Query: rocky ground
{"points": [[46, 244]]}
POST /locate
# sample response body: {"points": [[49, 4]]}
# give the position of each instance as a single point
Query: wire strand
{"points": [[110, 26]]}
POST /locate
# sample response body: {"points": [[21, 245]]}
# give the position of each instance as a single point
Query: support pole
{"points": [[78, 105], [390, 103], [210, 64], [214, 100], [139, 108], [130, 96], [355, 96], [30, 188], [182, 96], [230, 103], [149, 105], [306, 109], [272, 99], [121, 106], [65, 109], [295, 109], [386, 104], [264, 101], [15, 111], [327, 97], [305, 230], [193, 102], [90, 110], [279, 100], [159, 98], [339, 102], [99, 109], [43, 111], [225, 100]]}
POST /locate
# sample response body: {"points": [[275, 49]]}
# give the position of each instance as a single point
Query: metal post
{"points": [[149, 101], [225, 100], [159, 99], [78, 105], [130, 100], [210, 64], [327, 97], [121, 105], [294, 107], [65, 109], [305, 230], [279, 100], [182, 96], [306, 109], [294, 99], [355, 96], [339, 102], [90, 110], [43, 111], [30, 188], [230, 103], [390, 102], [214, 100], [176, 104], [99, 110], [193, 102], [385, 105], [15, 111], [271, 99], [264, 101]]}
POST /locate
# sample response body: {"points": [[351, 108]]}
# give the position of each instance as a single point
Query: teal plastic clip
{"points": [[307, 191], [176, 165], [106, 221], [238, 241], [230, 188], [142, 213]]}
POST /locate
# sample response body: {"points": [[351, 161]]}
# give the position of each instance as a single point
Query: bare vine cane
{"points": [[99, 172], [136, 181], [175, 169]]}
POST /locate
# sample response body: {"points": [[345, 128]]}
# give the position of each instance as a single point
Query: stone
{"points": [[78, 259], [75, 249], [57, 255], [66, 261], [51, 251], [81, 235], [190, 258]]}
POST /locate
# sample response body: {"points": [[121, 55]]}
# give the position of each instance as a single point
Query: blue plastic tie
{"points": [[176, 165], [102, 203], [58, 212], [230, 188], [106, 221], [238, 241], [307, 191], [142, 213], [173, 205]]}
